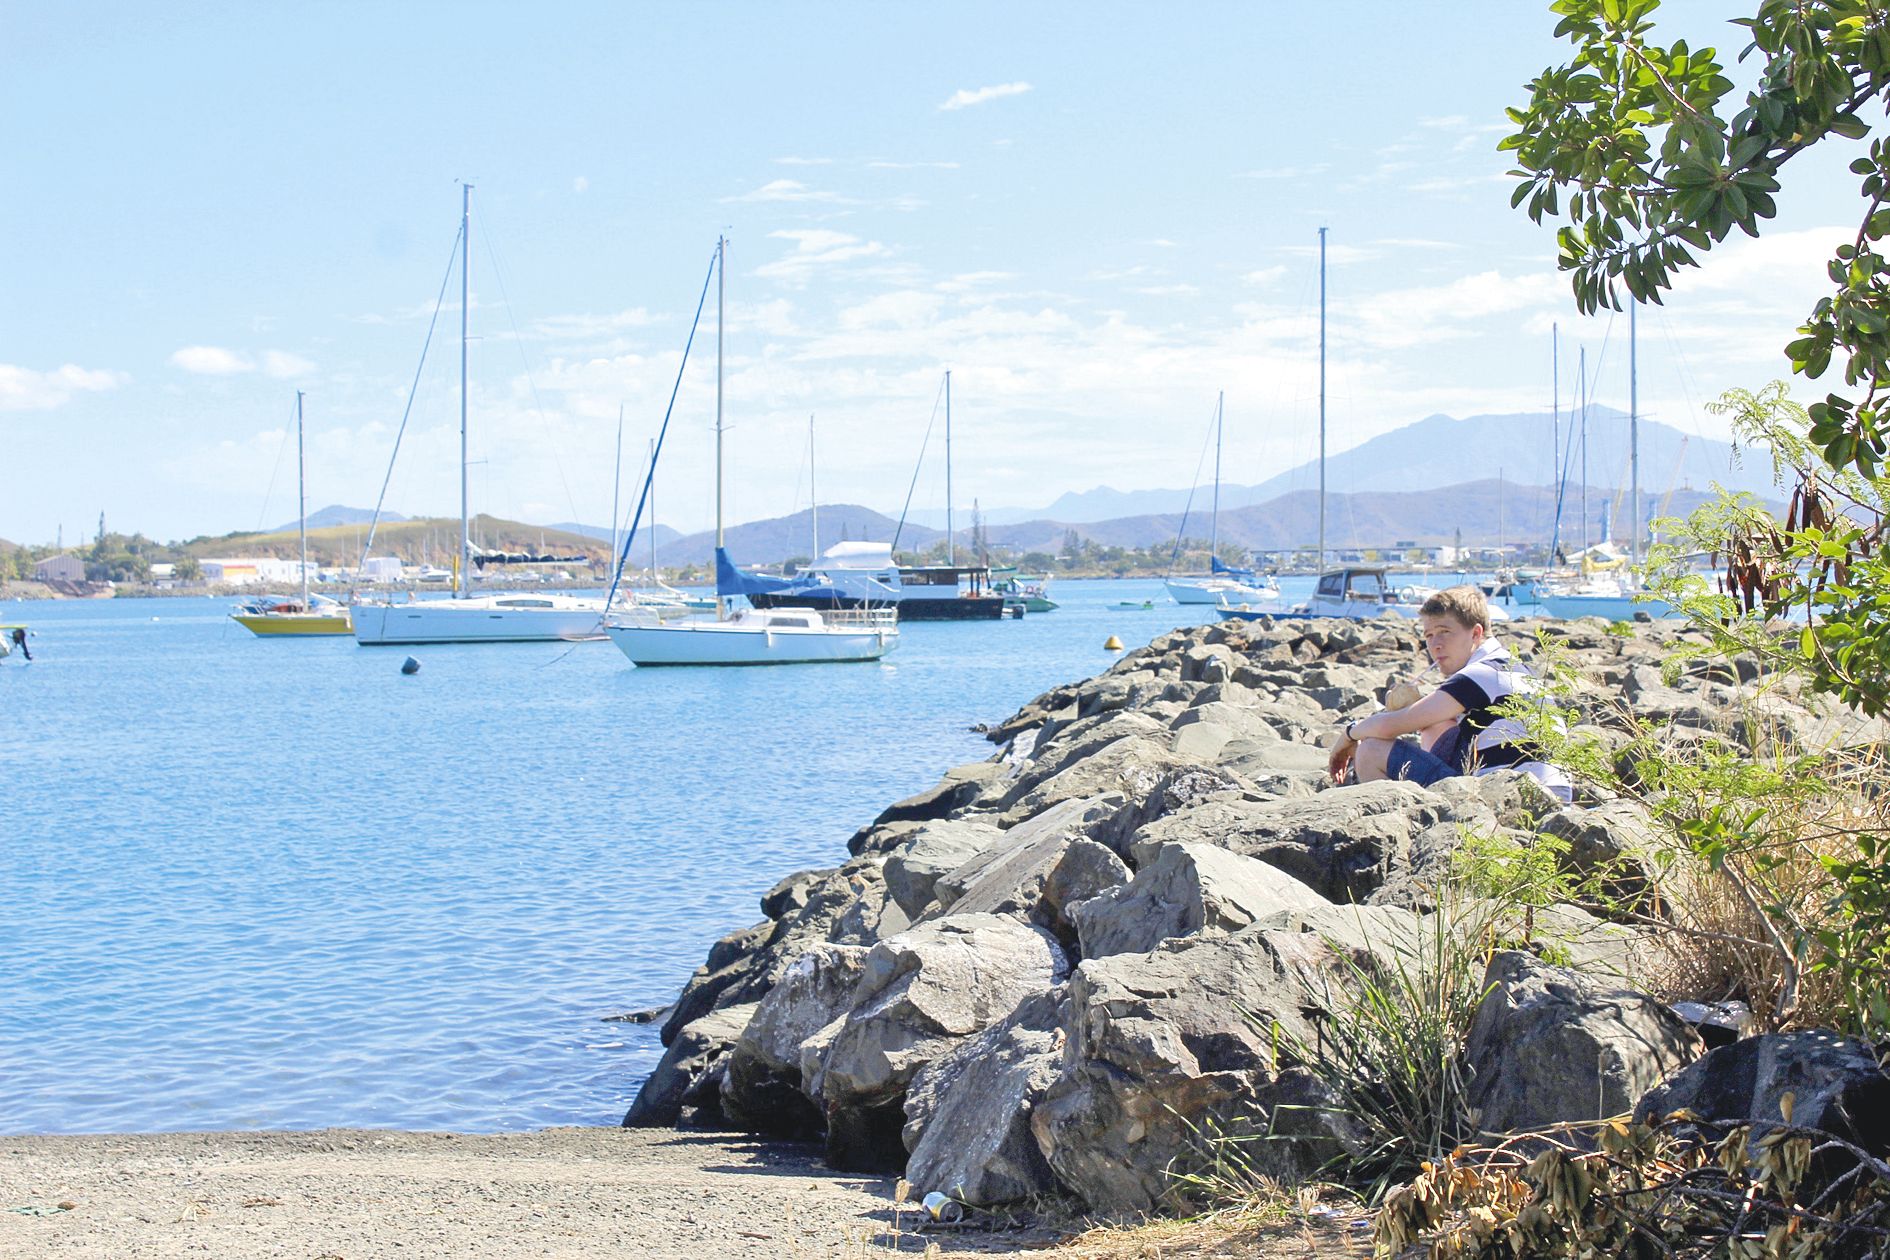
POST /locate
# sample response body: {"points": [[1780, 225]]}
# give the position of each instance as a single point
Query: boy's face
{"points": [[1450, 642]]}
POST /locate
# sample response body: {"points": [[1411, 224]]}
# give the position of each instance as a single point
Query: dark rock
{"points": [[919, 995], [763, 1092], [1837, 1086], [1549, 1045], [689, 1073], [935, 849], [958, 788], [968, 1113]]}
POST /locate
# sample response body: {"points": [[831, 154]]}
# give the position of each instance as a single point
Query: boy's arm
{"points": [[1437, 707]]}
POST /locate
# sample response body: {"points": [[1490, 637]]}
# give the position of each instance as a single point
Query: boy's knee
{"points": [[1372, 759]]}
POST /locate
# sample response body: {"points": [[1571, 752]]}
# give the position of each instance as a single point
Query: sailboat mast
{"points": [[1634, 441], [616, 491], [463, 577], [301, 494], [654, 580], [1214, 526], [1555, 434], [813, 491], [1322, 399], [951, 549], [721, 260], [1583, 367]]}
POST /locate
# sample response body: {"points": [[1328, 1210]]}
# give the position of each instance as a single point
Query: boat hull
{"points": [[275, 625], [911, 608], [725, 643], [1217, 591], [438, 621]]}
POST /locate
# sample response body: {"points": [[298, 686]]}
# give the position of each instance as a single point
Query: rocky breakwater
{"points": [[1055, 969]]}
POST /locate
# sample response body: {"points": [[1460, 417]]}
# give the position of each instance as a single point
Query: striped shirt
{"points": [[1487, 739]]}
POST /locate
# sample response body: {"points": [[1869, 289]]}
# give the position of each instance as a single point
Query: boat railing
{"points": [[863, 618]]}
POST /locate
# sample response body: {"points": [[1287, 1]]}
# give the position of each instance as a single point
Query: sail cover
{"points": [[731, 581], [1227, 570]]}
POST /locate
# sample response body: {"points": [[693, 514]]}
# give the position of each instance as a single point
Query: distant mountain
{"points": [[784, 537], [335, 514], [664, 534], [1441, 450]]}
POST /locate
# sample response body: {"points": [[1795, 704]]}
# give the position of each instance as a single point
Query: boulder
{"points": [[934, 849], [919, 994], [1131, 765], [958, 788], [763, 1091], [1344, 843], [1836, 1083], [1009, 874], [1162, 1044], [848, 906], [1172, 793], [1550, 1045], [968, 1113], [1608, 839], [1200, 742], [686, 1085], [1185, 889]]}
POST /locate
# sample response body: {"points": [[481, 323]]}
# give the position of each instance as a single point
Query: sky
{"points": [[1097, 216]]}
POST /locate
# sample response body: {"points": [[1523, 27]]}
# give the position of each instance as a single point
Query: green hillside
{"points": [[417, 541]]}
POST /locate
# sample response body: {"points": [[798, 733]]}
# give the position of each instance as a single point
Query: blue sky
{"points": [[1097, 215]]}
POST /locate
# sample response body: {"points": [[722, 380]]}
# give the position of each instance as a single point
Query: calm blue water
{"points": [[262, 883]]}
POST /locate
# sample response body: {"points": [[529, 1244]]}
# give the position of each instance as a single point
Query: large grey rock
{"points": [[1344, 843], [1549, 1045], [968, 1113], [934, 849], [1171, 793], [919, 994], [1009, 874], [1608, 839], [1836, 1084], [1183, 890], [848, 906], [763, 1091], [1130, 765], [960, 786], [686, 1085], [1162, 1044]]}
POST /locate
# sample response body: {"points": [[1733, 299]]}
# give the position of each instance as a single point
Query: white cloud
{"points": [[1162, 242], [1285, 172], [803, 161], [211, 361], [882, 165], [1167, 290], [1456, 183], [285, 366], [789, 190], [815, 248], [1265, 275], [580, 184], [24, 389], [964, 97], [966, 281], [1448, 122]]}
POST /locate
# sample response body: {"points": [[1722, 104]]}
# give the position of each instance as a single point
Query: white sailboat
{"points": [[1223, 584], [467, 618], [749, 636], [1616, 596]]}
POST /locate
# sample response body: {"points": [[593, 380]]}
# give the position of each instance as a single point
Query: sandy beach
{"points": [[349, 1194]]}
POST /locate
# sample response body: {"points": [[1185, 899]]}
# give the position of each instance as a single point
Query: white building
{"points": [[243, 571], [66, 568], [381, 569]]}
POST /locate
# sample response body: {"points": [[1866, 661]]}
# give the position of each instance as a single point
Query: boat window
{"points": [[1331, 584], [1368, 586], [524, 603]]}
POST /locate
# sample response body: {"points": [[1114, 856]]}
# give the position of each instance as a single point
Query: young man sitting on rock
{"points": [[1459, 726]]}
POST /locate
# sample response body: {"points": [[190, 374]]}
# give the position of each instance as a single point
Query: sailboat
{"points": [[1616, 596], [1224, 583], [749, 636], [315, 614], [863, 575], [467, 618], [1352, 591]]}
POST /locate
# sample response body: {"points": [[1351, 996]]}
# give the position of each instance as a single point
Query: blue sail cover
{"points": [[1227, 570], [731, 581]]}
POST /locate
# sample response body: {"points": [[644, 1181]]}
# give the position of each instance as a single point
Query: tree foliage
{"points": [[1631, 142]]}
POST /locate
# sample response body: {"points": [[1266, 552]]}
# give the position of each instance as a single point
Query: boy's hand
{"points": [[1341, 759]]}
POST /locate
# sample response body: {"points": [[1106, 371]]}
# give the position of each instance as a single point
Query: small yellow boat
{"points": [[320, 615]]}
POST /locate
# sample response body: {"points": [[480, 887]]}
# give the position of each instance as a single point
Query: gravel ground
{"points": [[343, 1194]]}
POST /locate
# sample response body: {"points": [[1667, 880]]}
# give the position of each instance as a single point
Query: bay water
{"points": [[273, 883]]}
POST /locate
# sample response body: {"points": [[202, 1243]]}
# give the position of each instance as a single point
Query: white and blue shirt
{"points": [[1487, 739]]}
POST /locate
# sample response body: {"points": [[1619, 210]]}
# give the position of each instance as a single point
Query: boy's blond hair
{"points": [[1464, 605]]}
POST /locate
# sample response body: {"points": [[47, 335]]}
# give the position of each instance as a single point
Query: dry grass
{"points": [[1312, 1222]]}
